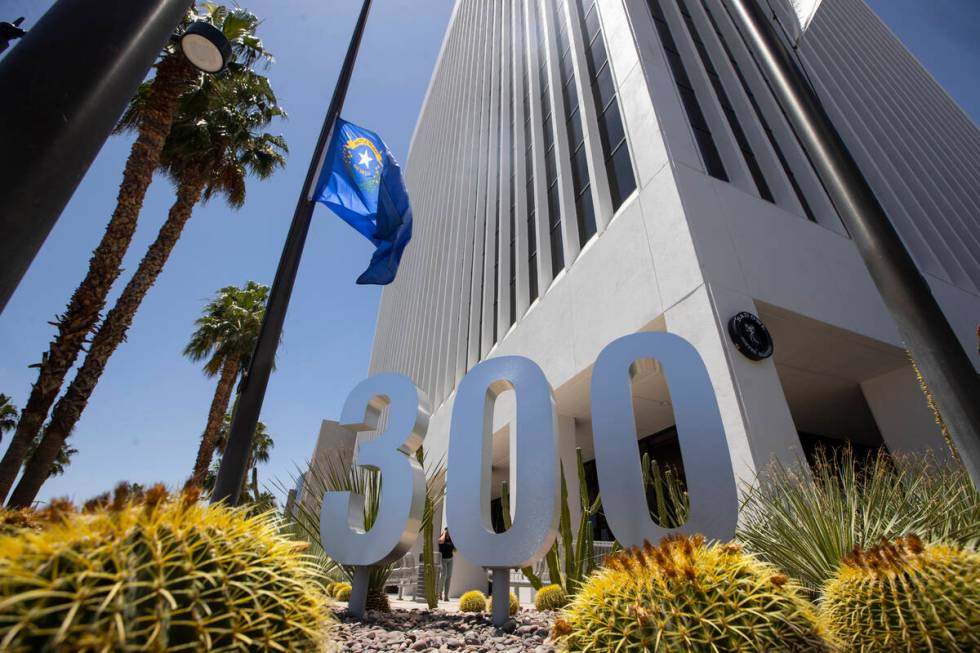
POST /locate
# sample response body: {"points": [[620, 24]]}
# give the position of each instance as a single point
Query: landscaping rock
{"points": [[442, 632]]}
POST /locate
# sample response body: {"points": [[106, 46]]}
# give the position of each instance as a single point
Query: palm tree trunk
{"points": [[104, 267], [219, 406], [107, 339], [255, 482]]}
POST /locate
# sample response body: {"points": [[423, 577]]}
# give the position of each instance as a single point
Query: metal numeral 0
{"points": [[707, 464], [535, 523], [403, 482]]}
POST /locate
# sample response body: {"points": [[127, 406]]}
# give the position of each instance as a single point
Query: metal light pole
{"points": [[927, 334], [235, 459], [65, 85]]}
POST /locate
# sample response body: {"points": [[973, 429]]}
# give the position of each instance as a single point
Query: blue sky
{"points": [[145, 418]]}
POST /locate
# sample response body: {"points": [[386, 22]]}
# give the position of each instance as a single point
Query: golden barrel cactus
{"points": [[342, 592], [550, 597], [162, 574], [904, 595], [472, 601], [686, 596]]}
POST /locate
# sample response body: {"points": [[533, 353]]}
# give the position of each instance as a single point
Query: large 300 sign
{"points": [[707, 464]]}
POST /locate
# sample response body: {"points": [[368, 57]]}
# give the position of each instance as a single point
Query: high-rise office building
{"points": [[586, 169]]}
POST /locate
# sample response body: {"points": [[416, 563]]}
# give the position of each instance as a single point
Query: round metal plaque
{"points": [[750, 335]]}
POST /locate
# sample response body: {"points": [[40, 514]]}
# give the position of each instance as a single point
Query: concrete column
{"points": [[758, 424], [902, 413]]}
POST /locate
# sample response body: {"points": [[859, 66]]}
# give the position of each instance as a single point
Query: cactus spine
{"points": [[905, 595], [685, 596], [163, 574]]}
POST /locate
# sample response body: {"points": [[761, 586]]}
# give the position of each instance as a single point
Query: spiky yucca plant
{"points": [[550, 597], [904, 595], [472, 601], [162, 574], [806, 521], [334, 474], [686, 596]]}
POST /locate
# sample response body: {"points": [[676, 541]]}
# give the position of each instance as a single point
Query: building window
{"points": [[729, 111], [762, 121], [496, 279], [513, 248], [615, 150], [551, 167], [532, 236], [581, 183], [702, 134]]}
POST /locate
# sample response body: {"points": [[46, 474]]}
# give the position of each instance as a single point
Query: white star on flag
{"points": [[801, 12], [364, 159]]}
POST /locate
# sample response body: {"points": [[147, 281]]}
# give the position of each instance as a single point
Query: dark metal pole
{"points": [[64, 87], [235, 458], [930, 340]]}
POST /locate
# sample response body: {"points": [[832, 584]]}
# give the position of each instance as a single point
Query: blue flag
{"points": [[362, 183]]}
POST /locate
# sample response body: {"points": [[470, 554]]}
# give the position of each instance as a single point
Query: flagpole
{"points": [[933, 345], [235, 459]]}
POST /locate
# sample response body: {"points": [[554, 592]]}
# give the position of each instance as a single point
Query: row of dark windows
{"points": [[551, 167], [615, 150], [702, 133], [532, 236], [581, 183], [762, 121], [495, 280], [728, 109]]}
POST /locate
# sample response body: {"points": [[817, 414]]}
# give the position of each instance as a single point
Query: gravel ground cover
{"points": [[415, 630]]}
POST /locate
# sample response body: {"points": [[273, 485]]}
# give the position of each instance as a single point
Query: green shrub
{"points": [[472, 601], [905, 596], [515, 604], [685, 596], [806, 524], [162, 574], [550, 597]]}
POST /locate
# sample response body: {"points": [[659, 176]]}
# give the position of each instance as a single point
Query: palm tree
{"points": [[224, 339], [262, 445], [215, 144], [161, 97], [8, 415], [61, 461]]}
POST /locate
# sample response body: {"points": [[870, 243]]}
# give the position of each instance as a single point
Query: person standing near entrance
{"points": [[446, 549]]}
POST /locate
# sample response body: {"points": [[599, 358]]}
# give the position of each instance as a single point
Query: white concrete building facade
{"points": [[586, 169]]}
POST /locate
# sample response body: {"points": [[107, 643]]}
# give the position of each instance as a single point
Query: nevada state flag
{"points": [[362, 183]]}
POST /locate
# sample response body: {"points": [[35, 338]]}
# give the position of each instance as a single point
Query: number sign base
{"points": [[358, 593], [501, 596]]}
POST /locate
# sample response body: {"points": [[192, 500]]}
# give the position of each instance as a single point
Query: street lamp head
{"points": [[206, 47]]}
